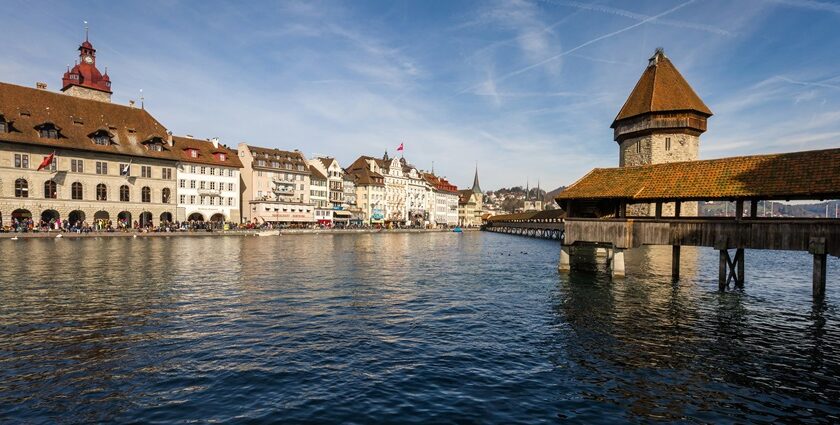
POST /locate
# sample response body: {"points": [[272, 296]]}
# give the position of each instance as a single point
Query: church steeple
{"points": [[475, 187], [84, 79]]}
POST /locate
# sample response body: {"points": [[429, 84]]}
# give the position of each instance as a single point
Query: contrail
{"points": [[638, 16], [574, 49]]}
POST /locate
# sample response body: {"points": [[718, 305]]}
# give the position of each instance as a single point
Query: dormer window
{"points": [[192, 153], [4, 127], [48, 131], [154, 144], [220, 156], [101, 138], [275, 164]]}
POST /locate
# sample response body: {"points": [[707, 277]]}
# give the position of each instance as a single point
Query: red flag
{"points": [[47, 161], [400, 147]]}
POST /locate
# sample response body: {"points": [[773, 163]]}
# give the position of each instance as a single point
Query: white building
{"points": [[443, 201], [208, 181], [406, 190]]}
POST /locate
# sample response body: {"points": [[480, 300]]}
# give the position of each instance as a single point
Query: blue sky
{"points": [[526, 89]]}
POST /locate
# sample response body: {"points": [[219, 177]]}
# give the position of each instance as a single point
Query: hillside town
{"points": [[74, 160]]}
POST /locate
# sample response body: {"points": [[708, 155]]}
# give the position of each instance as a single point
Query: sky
{"points": [[526, 90]]}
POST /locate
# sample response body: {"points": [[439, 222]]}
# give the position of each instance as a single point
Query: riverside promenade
{"points": [[250, 232]]}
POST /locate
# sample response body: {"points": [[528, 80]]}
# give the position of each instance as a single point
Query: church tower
{"points": [[84, 79], [660, 122]]}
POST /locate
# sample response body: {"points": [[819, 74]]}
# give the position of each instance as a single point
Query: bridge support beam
{"points": [[731, 269], [565, 259], [617, 263], [675, 262]]}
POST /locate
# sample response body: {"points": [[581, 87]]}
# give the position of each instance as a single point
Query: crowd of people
{"points": [[24, 225]]}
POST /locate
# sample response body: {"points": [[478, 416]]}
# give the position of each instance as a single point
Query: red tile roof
{"points": [[207, 153], [809, 175], [77, 119], [661, 89]]}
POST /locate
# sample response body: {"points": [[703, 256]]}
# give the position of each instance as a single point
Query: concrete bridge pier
{"points": [[617, 263], [565, 259]]}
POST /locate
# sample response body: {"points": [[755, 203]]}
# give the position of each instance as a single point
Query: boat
{"points": [[457, 230]]}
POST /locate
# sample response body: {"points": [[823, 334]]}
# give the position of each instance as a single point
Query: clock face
{"points": [[88, 59]]}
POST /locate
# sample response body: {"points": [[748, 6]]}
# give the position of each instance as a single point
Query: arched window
{"points": [[124, 193], [146, 194], [21, 188], [76, 190], [47, 130], [164, 195], [50, 190], [101, 192]]}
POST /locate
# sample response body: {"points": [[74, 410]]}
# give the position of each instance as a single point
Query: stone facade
{"points": [[98, 179], [275, 186], [87, 93]]}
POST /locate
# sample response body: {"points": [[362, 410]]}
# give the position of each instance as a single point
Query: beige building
{"points": [[406, 190], [471, 204], [111, 162], [275, 186], [660, 122], [370, 191]]}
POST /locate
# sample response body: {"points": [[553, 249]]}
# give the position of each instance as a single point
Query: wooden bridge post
{"points": [[816, 246], [739, 259], [754, 208], [565, 259], [739, 209], [675, 262], [724, 261], [617, 265]]}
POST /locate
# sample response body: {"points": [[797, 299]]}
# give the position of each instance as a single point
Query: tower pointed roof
{"points": [[661, 89], [475, 187]]}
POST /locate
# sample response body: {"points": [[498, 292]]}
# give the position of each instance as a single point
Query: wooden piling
{"points": [[816, 246], [675, 262], [739, 260], [724, 261]]}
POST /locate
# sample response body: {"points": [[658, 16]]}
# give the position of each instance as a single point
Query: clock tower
{"points": [[84, 79]]}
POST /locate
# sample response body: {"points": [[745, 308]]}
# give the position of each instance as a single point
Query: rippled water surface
{"points": [[405, 328]]}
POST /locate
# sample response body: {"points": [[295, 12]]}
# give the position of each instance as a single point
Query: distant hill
{"points": [[549, 197], [774, 209]]}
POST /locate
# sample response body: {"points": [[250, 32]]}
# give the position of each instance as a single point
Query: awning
{"points": [[339, 213]]}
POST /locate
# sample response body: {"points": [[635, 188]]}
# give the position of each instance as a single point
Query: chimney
{"points": [[130, 103], [169, 138], [41, 85], [215, 141]]}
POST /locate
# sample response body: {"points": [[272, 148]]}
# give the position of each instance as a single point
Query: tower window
{"points": [[639, 147], [667, 143]]}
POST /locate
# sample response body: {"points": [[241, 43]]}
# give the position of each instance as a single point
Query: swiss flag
{"points": [[47, 161], [400, 147]]}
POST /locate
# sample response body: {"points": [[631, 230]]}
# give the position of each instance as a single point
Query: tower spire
{"points": [[475, 187], [86, 31]]}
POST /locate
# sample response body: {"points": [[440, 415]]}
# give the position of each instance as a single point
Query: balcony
{"points": [[210, 192]]}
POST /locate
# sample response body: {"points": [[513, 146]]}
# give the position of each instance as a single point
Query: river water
{"points": [[405, 328]]}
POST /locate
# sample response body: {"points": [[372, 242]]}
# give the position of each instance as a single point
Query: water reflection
{"points": [[409, 328]]}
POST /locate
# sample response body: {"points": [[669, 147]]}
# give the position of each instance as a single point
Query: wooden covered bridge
{"points": [[538, 224], [597, 209]]}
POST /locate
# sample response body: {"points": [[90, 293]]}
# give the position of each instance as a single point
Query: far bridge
{"points": [[536, 224]]}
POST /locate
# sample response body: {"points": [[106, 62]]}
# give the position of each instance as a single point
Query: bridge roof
{"points": [[809, 175], [529, 215]]}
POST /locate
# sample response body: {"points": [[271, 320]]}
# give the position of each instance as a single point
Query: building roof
{"points": [[77, 119], [440, 183], [207, 152], [529, 215], [316, 173], [810, 175], [365, 177], [279, 160], [661, 89]]}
